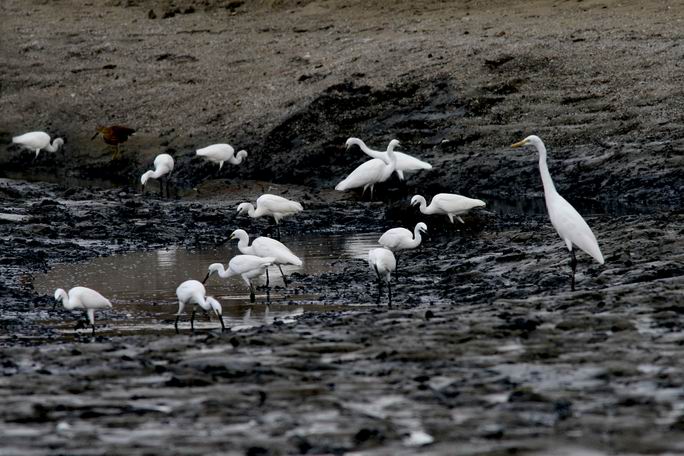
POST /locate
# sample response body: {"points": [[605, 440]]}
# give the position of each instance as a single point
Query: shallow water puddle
{"points": [[142, 285]]}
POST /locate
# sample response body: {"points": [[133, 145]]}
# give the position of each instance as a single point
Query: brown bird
{"points": [[114, 135]]}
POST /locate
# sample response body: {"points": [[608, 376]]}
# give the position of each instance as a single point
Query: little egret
{"points": [[163, 165], [246, 266], [447, 203], [114, 135], [192, 292], [569, 224], [219, 153], [382, 264], [397, 239], [82, 298], [371, 172], [405, 162], [272, 206], [266, 247], [38, 140]]}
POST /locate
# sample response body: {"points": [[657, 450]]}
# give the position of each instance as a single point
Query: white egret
{"points": [[447, 203], [219, 153], [371, 172], [82, 298], [246, 266], [569, 224], [397, 239], [266, 247], [163, 165], [272, 206], [382, 263], [38, 140], [192, 292], [405, 162]]}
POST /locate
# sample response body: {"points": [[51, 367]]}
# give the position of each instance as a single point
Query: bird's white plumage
{"points": [[246, 266], [371, 172], [569, 224], [265, 247], [382, 263], [38, 140], [271, 205], [397, 239], [83, 298], [163, 165], [449, 204], [405, 162], [191, 292], [220, 153]]}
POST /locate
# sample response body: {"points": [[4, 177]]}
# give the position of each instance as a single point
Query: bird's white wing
{"points": [[570, 225], [90, 298], [394, 237], [407, 162], [267, 247], [275, 203], [217, 150], [366, 173], [451, 203], [246, 263]]}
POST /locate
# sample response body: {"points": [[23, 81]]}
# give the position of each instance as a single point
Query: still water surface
{"points": [[142, 285]]}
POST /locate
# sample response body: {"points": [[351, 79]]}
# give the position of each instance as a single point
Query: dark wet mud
{"points": [[486, 351]]}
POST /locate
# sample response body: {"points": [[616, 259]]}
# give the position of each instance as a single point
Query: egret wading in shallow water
{"points": [[192, 292], [405, 162], [219, 153], [449, 204], [266, 247], [114, 135], [163, 165], [38, 140], [398, 239], [382, 264], [569, 224], [246, 266], [272, 206], [82, 298], [371, 172]]}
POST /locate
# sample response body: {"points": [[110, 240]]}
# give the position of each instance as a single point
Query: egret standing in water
{"points": [[405, 162], [272, 206], [82, 298], [219, 153], [371, 172], [398, 239], [266, 247], [192, 292], [38, 140], [246, 266], [449, 204], [565, 219], [163, 165], [383, 263]]}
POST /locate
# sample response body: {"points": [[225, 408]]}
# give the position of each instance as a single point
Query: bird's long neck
{"points": [[423, 206], [367, 150], [549, 188], [237, 159], [252, 212], [392, 158], [54, 146], [416, 237], [244, 247], [67, 301]]}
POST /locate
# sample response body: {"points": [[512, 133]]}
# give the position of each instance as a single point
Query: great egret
{"points": [[569, 224], [114, 135], [272, 206], [82, 298], [246, 266], [447, 203], [219, 153], [192, 292], [371, 172], [38, 140], [397, 239], [382, 263], [405, 162], [163, 165], [266, 247]]}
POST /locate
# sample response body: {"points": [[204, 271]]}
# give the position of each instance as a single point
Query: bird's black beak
{"points": [[206, 277], [95, 135]]}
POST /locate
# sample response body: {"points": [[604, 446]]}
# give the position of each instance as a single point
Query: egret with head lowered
{"points": [[569, 224], [398, 239], [449, 204], [220, 153], [266, 247], [83, 298], [405, 162], [163, 165], [192, 293], [246, 266], [38, 140], [271, 206], [382, 264], [371, 172]]}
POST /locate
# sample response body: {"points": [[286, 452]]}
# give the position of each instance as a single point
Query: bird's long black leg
{"points": [[396, 269], [377, 275], [283, 274], [192, 321], [389, 292], [175, 325], [268, 280], [278, 229], [573, 265], [161, 187], [93, 329], [252, 296], [223, 325]]}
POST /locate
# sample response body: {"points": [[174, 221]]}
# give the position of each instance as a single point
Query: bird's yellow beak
{"points": [[232, 236], [519, 144]]}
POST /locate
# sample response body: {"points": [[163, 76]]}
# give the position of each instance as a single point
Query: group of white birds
{"points": [[264, 252]]}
